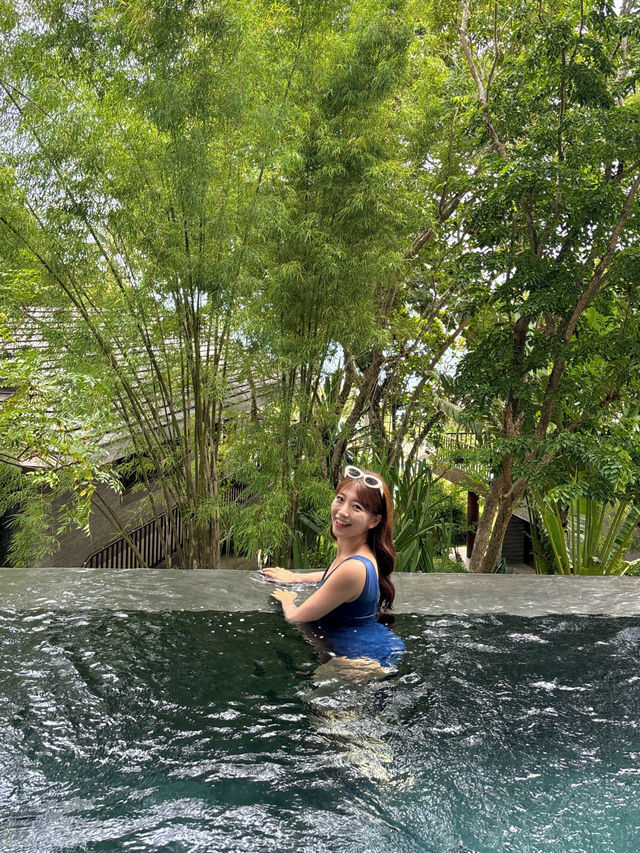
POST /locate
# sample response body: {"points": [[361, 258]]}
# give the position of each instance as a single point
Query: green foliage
{"points": [[426, 521], [320, 198], [543, 212], [124, 203], [545, 258], [196, 184], [25, 518], [502, 568], [585, 537], [312, 545]]}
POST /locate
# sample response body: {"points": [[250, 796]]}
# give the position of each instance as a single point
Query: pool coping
{"points": [[233, 590]]}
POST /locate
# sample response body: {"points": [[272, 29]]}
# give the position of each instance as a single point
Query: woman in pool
{"points": [[358, 581], [356, 585]]}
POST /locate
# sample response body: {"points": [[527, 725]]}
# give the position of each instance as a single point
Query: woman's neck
{"points": [[347, 549]]}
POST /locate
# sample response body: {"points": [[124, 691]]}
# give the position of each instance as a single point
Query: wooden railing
{"points": [[152, 540], [459, 440]]}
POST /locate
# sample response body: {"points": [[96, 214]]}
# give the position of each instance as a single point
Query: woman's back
{"points": [[366, 605]]}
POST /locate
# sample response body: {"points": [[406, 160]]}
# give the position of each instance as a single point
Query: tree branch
{"points": [[594, 286], [482, 92]]}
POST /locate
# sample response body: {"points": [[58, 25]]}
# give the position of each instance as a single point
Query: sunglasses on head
{"points": [[369, 480]]}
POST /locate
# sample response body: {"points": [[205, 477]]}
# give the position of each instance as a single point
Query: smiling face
{"points": [[349, 517]]}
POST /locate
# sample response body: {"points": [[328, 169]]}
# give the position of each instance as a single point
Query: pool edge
{"points": [[240, 590]]}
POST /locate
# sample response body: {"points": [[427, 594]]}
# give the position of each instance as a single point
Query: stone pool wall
{"points": [[235, 590]]}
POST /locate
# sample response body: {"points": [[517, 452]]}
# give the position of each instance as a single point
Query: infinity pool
{"points": [[216, 731]]}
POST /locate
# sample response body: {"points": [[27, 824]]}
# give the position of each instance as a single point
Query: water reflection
{"points": [[345, 699]]}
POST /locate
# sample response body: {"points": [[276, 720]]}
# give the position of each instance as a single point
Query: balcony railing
{"points": [[462, 441], [152, 540], [459, 440]]}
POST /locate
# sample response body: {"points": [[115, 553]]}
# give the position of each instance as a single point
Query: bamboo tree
{"points": [[146, 147], [338, 203]]}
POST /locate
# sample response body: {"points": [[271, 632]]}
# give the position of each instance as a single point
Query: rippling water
{"points": [[210, 732]]}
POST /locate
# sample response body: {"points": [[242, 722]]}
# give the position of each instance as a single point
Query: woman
{"points": [[358, 582], [353, 647]]}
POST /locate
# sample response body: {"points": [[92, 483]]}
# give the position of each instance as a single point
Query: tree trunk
{"points": [[473, 513], [485, 526], [493, 523], [494, 546], [360, 407]]}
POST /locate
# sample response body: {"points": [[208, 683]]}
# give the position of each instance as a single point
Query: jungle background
{"points": [[388, 222]]}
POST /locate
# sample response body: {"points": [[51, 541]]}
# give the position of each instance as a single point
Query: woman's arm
{"points": [[278, 575], [344, 584]]}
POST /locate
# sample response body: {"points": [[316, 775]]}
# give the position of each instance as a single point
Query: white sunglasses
{"points": [[369, 480]]}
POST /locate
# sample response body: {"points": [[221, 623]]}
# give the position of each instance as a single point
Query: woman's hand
{"points": [[284, 596], [278, 575]]}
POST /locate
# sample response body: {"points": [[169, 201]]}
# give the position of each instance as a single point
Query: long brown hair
{"points": [[380, 537]]}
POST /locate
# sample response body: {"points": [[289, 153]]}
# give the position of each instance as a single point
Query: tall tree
{"points": [[212, 188], [338, 201], [551, 226], [136, 143]]}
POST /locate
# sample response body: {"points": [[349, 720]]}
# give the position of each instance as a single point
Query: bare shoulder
{"points": [[351, 569]]}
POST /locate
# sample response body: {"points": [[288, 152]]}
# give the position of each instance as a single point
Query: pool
{"points": [[214, 729]]}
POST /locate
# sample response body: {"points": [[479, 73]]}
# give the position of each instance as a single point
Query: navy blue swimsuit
{"points": [[352, 630], [366, 605]]}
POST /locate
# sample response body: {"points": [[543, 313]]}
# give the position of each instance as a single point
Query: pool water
{"points": [[184, 731]]}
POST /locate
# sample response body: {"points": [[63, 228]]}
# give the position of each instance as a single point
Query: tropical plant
{"points": [[204, 191], [501, 568], [426, 521], [585, 537]]}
